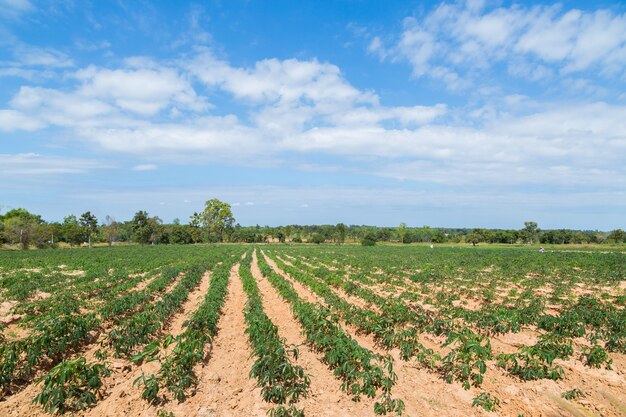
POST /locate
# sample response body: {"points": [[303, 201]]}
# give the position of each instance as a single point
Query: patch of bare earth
{"points": [[6, 312], [286, 262]]}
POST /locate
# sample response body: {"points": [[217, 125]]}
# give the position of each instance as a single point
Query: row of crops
{"points": [[447, 311], [120, 302], [573, 301]]}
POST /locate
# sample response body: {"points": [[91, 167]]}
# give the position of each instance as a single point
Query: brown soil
{"points": [[326, 397], [286, 262], [531, 398], [6, 312], [125, 399], [225, 389], [20, 403], [421, 391]]}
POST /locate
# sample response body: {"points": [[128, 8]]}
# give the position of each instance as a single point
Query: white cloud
{"points": [[41, 57], [454, 41], [32, 63], [376, 47], [16, 165], [145, 167], [53, 107], [14, 120], [15, 8], [418, 46], [303, 109], [285, 82], [143, 90]]}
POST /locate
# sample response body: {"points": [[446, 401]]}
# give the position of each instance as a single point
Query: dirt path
{"points": [[352, 299], [326, 397], [302, 291], [225, 389]]}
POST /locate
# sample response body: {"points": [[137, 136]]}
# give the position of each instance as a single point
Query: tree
{"points": [[217, 218], [19, 230], [178, 233], [142, 227], [402, 232], [156, 229], [110, 230], [369, 239], [476, 236], [195, 223], [473, 238], [617, 236], [317, 238], [341, 233], [41, 234], [71, 230], [21, 226], [89, 223], [530, 232], [280, 235]]}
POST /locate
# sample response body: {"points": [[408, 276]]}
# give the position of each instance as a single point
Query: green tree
{"points": [[89, 223], [21, 226], [476, 236], [156, 229], [530, 232], [617, 236], [41, 234], [341, 233], [402, 232], [317, 238], [19, 230], [280, 235], [142, 227], [71, 230], [217, 218], [195, 227], [369, 239]]}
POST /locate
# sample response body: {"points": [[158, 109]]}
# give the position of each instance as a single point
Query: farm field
{"points": [[241, 330]]}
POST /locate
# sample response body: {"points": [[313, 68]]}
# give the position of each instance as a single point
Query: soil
{"points": [[326, 397], [20, 403], [530, 398], [420, 390], [225, 388]]}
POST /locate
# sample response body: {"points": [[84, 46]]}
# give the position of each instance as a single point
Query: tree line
{"points": [[216, 224]]}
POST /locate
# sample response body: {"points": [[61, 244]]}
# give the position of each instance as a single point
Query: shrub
{"points": [[317, 238], [369, 240]]}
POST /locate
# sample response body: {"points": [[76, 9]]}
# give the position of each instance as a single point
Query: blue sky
{"points": [[459, 114]]}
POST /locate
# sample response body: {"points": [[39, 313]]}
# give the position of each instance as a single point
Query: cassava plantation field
{"points": [[236, 330]]}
